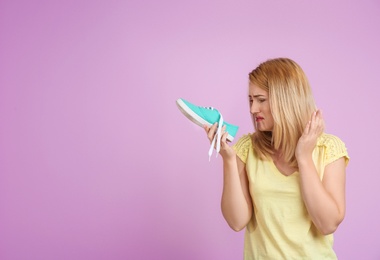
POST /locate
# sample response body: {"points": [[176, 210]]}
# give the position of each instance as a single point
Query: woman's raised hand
{"points": [[308, 139], [225, 150]]}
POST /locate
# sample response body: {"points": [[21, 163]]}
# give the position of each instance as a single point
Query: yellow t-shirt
{"points": [[280, 227]]}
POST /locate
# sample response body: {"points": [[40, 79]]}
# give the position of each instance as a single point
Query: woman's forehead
{"points": [[254, 91]]}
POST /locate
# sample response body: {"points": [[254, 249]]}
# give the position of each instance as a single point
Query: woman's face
{"points": [[260, 109]]}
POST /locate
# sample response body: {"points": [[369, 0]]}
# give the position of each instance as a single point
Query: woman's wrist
{"points": [[304, 161], [229, 158]]}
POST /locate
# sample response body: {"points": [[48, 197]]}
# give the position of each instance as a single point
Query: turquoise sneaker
{"points": [[207, 116]]}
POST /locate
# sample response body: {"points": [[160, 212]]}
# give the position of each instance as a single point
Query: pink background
{"points": [[97, 162]]}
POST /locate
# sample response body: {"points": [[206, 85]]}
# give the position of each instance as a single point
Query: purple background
{"points": [[97, 162]]}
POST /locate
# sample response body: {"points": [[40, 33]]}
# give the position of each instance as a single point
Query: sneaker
{"points": [[207, 116]]}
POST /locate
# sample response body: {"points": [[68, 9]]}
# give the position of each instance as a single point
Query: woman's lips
{"points": [[258, 119]]}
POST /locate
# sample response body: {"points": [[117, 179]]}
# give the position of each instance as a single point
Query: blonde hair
{"points": [[291, 102]]}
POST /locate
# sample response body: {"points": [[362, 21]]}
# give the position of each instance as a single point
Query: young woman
{"points": [[285, 183]]}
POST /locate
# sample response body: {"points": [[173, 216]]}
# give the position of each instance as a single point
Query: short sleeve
{"points": [[334, 148], [242, 147]]}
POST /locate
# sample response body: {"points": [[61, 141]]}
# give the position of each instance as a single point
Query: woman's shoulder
{"points": [[328, 140], [333, 146], [245, 140], [245, 137], [242, 146]]}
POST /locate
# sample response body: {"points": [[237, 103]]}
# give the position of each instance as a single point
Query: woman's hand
{"points": [[225, 150], [308, 140]]}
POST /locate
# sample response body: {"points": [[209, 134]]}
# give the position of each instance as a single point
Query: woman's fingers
{"points": [[316, 124], [223, 139], [224, 142], [319, 122], [210, 130], [307, 128]]}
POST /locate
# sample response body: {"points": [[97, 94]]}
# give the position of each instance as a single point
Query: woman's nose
{"points": [[254, 108]]}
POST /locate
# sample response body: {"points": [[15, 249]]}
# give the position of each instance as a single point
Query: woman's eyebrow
{"points": [[258, 95]]}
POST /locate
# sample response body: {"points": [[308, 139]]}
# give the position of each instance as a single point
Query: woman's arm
{"points": [[236, 202], [324, 200]]}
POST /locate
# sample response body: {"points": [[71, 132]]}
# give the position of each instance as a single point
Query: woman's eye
{"points": [[261, 100]]}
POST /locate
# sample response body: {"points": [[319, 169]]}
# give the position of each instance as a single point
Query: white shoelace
{"points": [[217, 137]]}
